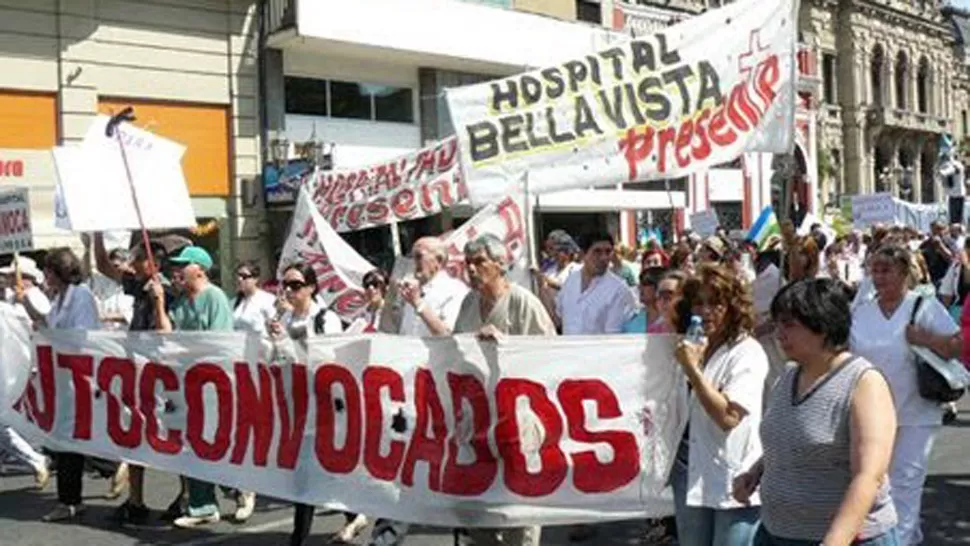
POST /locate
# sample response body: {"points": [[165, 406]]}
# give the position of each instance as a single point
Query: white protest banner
{"points": [[340, 269], [16, 234], [919, 215], [705, 222], [16, 360], [93, 179], [404, 188], [663, 106], [441, 431], [504, 219], [877, 208]]}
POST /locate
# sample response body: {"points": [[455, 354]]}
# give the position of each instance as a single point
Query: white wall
{"points": [[450, 29]]}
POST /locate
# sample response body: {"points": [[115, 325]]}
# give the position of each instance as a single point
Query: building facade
{"points": [[187, 67]]}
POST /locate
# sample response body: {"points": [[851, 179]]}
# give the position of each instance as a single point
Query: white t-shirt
{"points": [[443, 294], [603, 308], [716, 457], [77, 309], [251, 313], [882, 341]]}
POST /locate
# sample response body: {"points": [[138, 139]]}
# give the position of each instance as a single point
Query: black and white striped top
{"points": [[807, 457]]}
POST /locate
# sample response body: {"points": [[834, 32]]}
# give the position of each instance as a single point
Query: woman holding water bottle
{"points": [[726, 369]]}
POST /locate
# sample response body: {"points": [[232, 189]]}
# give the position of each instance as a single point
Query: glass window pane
{"points": [[306, 96], [394, 104], [349, 100]]}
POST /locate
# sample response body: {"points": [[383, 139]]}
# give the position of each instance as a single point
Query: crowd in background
{"points": [[806, 424]]}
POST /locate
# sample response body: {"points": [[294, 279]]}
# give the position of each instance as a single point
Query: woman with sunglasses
{"points": [[253, 306], [375, 291], [302, 319]]}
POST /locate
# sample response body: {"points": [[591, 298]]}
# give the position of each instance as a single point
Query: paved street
{"points": [[946, 512]]}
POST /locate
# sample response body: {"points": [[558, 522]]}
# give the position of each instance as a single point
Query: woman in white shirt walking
{"points": [[727, 377], [882, 333], [73, 307], [253, 307]]}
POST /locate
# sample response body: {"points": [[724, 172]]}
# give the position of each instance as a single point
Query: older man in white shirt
{"points": [[594, 300], [432, 298]]}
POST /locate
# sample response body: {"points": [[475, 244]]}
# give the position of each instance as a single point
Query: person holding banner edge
{"points": [[73, 307]]}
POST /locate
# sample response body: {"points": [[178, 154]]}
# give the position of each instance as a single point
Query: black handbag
{"points": [[934, 385]]}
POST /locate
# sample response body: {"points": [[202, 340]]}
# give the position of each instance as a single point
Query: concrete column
{"points": [[918, 174], [889, 84]]}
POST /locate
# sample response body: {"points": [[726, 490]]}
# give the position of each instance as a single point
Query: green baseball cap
{"points": [[194, 255]]}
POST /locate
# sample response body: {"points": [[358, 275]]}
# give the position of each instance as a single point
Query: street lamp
{"points": [[279, 150]]}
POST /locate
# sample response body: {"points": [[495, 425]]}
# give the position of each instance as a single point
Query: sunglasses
{"points": [[294, 285], [245, 275], [374, 284]]}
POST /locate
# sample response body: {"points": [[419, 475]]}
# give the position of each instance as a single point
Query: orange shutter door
{"points": [[203, 130], [28, 120]]}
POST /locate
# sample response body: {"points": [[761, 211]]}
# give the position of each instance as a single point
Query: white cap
{"points": [[28, 268]]}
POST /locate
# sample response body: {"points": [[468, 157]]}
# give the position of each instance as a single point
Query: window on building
{"points": [[876, 70], [829, 76], [589, 12], [902, 77], [349, 100], [923, 86], [393, 104], [306, 96], [729, 214]]}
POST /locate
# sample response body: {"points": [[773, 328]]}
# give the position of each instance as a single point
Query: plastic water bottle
{"points": [[695, 332]]}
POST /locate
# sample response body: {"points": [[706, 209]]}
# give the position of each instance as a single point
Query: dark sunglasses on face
{"points": [[373, 284], [244, 275], [294, 285]]}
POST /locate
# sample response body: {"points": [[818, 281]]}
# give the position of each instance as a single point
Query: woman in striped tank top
{"points": [[827, 434]]}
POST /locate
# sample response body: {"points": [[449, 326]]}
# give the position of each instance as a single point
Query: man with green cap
{"points": [[201, 307]]}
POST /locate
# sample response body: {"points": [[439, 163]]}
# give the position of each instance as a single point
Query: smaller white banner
{"points": [[704, 223], [872, 209], [340, 269], [93, 178], [16, 234]]}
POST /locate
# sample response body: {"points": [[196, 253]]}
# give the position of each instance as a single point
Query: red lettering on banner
{"points": [[344, 459], [292, 424], [424, 165], [378, 211], [447, 155], [45, 372], [403, 203], [81, 368], [124, 369], [718, 124], [425, 447], [475, 478], [517, 477], [152, 374], [377, 379], [254, 414], [196, 378], [355, 215], [590, 475]]}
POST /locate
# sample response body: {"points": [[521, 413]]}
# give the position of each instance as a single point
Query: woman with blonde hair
{"points": [[803, 258]]}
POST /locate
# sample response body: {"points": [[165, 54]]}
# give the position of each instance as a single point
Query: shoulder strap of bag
{"points": [[916, 306]]}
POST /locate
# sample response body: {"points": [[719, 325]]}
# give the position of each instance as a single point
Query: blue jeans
{"points": [[765, 538], [700, 526]]}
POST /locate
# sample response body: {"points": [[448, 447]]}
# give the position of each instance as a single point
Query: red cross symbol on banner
{"points": [[749, 59]]}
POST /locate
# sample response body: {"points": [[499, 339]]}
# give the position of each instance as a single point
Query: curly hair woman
{"points": [[727, 378]]}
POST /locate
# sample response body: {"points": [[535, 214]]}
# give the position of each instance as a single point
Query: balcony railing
{"points": [[279, 15], [905, 119]]}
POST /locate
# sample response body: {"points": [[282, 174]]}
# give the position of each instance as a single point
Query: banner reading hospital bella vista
{"points": [[446, 432], [662, 106]]}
